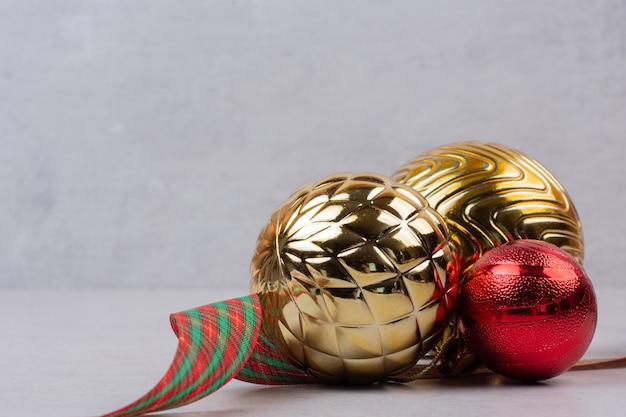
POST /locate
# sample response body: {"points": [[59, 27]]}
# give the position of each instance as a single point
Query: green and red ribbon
{"points": [[216, 343], [224, 340]]}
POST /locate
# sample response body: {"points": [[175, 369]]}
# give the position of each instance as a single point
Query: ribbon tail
{"points": [[214, 342], [596, 364], [424, 371]]}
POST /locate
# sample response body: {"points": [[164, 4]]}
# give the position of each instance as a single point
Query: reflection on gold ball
{"points": [[491, 194], [357, 277]]}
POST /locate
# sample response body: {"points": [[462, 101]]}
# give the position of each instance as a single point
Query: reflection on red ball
{"points": [[528, 310]]}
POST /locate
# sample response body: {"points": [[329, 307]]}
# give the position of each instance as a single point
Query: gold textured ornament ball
{"points": [[357, 276], [491, 194]]}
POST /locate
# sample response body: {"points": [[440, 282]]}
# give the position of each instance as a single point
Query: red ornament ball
{"points": [[527, 310]]}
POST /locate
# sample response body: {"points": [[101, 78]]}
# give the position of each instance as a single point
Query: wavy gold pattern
{"points": [[491, 194], [357, 275]]}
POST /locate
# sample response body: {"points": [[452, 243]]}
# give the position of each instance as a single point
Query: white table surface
{"points": [[84, 353]]}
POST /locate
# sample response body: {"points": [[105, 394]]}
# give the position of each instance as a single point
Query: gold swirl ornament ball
{"points": [[491, 194], [357, 276]]}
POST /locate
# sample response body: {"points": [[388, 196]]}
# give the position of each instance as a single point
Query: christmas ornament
{"points": [[355, 279], [358, 277], [491, 194], [528, 310]]}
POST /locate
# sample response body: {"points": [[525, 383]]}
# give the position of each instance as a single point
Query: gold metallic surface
{"points": [[357, 277], [491, 194]]}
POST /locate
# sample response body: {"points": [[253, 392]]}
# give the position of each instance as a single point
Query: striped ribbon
{"points": [[214, 342], [224, 340]]}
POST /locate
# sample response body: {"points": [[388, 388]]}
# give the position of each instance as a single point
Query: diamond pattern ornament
{"points": [[358, 276]]}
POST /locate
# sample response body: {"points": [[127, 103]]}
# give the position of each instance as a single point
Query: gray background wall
{"points": [[145, 143]]}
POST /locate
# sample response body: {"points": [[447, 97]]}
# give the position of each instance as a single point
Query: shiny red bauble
{"points": [[527, 310]]}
